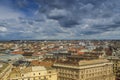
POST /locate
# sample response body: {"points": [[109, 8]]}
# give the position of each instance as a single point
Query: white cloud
{"points": [[3, 29], [58, 12], [92, 23], [9, 13]]}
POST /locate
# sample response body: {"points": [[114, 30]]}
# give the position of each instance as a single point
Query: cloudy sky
{"points": [[59, 19]]}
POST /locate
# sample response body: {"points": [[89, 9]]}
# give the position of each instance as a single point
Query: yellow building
{"points": [[116, 65], [5, 69], [33, 73], [99, 69]]}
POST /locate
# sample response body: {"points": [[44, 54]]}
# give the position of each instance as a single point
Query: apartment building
{"points": [[5, 69], [116, 66], [33, 73], [98, 69]]}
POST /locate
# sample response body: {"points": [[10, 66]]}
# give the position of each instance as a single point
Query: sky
{"points": [[59, 19]]}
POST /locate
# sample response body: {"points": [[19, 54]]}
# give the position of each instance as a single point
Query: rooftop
{"points": [[95, 61], [41, 63], [82, 62], [30, 69]]}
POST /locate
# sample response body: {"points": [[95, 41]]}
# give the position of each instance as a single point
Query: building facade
{"points": [[33, 73], [5, 70], [86, 70], [116, 66]]}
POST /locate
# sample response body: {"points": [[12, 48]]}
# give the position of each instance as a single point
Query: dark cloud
{"points": [[91, 32], [63, 17], [78, 10], [68, 23], [111, 27]]}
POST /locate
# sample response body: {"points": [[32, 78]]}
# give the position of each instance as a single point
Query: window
{"points": [[39, 77], [33, 78], [49, 72], [44, 77], [39, 73], [81, 76]]}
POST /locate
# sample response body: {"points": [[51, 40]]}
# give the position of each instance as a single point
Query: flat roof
{"points": [[95, 61], [83, 62]]}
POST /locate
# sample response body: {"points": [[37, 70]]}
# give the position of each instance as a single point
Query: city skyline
{"points": [[59, 19]]}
